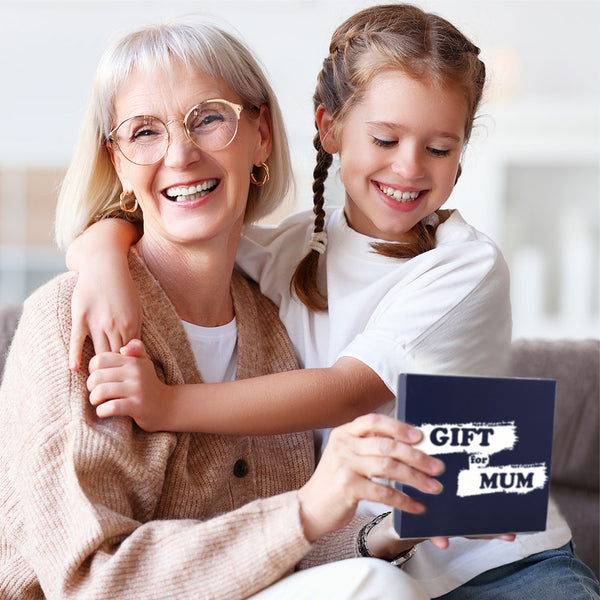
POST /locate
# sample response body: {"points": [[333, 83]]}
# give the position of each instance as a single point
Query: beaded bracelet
{"points": [[363, 550]]}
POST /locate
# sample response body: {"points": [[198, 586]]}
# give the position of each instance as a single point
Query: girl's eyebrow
{"points": [[397, 126]]}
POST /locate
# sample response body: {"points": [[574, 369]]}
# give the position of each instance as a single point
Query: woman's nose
{"points": [[408, 162], [181, 151]]}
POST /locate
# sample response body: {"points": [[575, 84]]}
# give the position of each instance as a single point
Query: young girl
{"points": [[388, 284]]}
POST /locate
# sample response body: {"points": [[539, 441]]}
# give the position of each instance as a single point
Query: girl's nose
{"points": [[408, 162]]}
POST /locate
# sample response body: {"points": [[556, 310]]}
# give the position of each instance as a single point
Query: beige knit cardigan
{"points": [[99, 509]]}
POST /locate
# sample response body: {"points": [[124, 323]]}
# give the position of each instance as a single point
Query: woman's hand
{"points": [[126, 384], [370, 446], [105, 304]]}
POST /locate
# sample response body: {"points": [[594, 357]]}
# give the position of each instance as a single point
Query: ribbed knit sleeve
{"points": [[96, 509], [339, 545]]}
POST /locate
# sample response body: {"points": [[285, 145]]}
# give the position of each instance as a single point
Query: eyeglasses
{"points": [[210, 126]]}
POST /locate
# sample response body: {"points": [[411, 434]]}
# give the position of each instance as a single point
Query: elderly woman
{"points": [[183, 129]]}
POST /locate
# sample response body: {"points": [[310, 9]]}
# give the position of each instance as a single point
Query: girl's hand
{"points": [[105, 303], [105, 306], [370, 446], [126, 384]]}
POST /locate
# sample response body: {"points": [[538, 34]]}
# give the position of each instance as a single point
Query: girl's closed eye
{"points": [[438, 152], [384, 143]]}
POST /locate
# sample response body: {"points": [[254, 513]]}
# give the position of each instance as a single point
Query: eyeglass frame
{"points": [[237, 109]]}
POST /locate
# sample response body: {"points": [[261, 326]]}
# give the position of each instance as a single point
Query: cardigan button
{"points": [[240, 468]]}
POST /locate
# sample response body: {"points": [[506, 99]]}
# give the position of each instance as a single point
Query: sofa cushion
{"points": [[9, 316], [575, 365]]}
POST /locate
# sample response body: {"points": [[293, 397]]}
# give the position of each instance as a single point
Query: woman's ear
{"points": [[117, 161], [265, 132], [326, 130]]}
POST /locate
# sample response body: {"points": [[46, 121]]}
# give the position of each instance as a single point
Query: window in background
{"points": [[550, 239], [28, 255]]}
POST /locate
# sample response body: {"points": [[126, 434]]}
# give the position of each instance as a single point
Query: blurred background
{"points": [[531, 176]]}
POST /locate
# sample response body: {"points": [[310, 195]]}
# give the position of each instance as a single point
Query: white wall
{"points": [[531, 177]]}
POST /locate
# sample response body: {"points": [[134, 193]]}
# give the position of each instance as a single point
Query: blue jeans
{"points": [[551, 575]]}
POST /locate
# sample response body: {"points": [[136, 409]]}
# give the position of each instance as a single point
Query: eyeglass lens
{"points": [[144, 140]]}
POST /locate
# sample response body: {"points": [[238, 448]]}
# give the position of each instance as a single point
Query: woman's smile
{"points": [[211, 186], [188, 192]]}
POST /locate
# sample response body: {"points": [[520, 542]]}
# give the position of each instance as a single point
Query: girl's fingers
{"points": [[134, 348], [78, 334], [101, 342], [440, 542], [103, 392], [105, 376], [106, 360], [115, 341], [113, 408]]}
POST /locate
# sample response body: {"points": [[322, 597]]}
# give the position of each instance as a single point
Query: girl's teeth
{"points": [[399, 195], [180, 193]]}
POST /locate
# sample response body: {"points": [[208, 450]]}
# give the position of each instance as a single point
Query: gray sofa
{"points": [[575, 471]]}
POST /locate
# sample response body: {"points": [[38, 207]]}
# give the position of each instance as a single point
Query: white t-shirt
{"points": [[215, 350], [444, 311]]}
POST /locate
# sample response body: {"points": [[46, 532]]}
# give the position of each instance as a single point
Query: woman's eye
{"points": [[384, 143], [144, 135], [205, 120], [210, 119], [438, 152]]}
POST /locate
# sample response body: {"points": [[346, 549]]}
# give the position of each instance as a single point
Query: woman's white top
{"points": [[215, 350], [444, 311]]}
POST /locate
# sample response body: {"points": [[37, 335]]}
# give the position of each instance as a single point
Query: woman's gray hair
{"points": [[91, 188]]}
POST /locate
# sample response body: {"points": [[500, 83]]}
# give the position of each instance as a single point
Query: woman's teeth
{"points": [[399, 195], [181, 193]]}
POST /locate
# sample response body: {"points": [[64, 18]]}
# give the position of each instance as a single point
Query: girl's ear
{"points": [[326, 130], [265, 132]]}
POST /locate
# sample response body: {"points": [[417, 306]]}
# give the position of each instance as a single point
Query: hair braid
{"points": [[305, 280]]}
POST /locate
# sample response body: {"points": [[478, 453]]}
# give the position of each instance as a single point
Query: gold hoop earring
{"points": [[124, 206], [265, 178]]}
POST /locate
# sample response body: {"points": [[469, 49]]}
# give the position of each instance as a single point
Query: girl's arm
{"points": [[105, 302], [126, 384]]}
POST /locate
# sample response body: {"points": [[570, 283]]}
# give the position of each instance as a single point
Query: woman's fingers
{"points": [[387, 458], [381, 425], [391, 449], [373, 446], [384, 438]]}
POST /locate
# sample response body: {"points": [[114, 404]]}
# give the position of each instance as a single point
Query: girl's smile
{"points": [[401, 199], [399, 150]]}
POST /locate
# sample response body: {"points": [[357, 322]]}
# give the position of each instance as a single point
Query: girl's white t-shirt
{"points": [[215, 350], [444, 311]]}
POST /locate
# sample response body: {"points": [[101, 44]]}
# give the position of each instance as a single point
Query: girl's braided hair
{"points": [[395, 37]]}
